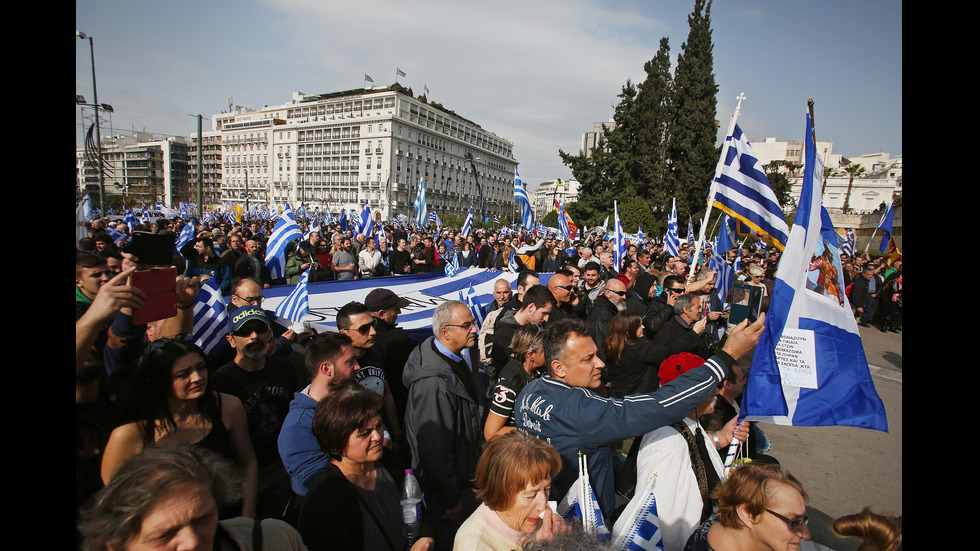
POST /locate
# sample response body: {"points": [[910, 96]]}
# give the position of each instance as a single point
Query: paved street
{"points": [[845, 469]]}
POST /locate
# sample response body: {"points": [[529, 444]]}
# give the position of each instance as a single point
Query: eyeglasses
{"points": [[466, 326], [364, 329], [568, 288], [794, 525], [254, 301], [620, 293], [258, 327]]}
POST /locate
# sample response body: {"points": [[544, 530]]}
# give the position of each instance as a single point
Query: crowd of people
{"points": [[635, 366]]}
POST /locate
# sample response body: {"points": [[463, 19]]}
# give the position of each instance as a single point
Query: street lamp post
{"points": [[98, 130]]}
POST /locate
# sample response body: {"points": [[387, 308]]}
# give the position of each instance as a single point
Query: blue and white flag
{"points": [[672, 240], [285, 231], [520, 195], [512, 262], [434, 218], [297, 303], [496, 219], [639, 233], [83, 215], [117, 236], [420, 213], [186, 236], [848, 247], [368, 78], [724, 273], [826, 381], [473, 304], [366, 222], [886, 227], [399, 72], [210, 318], [452, 267], [638, 526], [580, 503], [467, 224], [691, 237], [343, 220], [130, 220], [619, 240], [743, 191], [562, 223]]}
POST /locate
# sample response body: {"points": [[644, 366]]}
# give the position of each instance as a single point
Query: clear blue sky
{"points": [[538, 73]]}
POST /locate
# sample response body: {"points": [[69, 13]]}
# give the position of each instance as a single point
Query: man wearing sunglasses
{"points": [[609, 303], [265, 385], [562, 289]]}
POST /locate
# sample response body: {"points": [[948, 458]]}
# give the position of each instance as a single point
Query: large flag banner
{"points": [[743, 191], [580, 503], [809, 368], [672, 240], [638, 526], [284, 231], [297, 303], [520, 195], [210, 318], [366, 222], [471, 302], [423, 291]]}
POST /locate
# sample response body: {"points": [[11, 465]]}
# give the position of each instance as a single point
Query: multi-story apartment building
{"points": [[210, 170], [543, 198], [138, 167], [335, 151]]}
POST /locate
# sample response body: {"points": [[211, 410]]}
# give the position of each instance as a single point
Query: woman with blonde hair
{"points": [[513, 478], [878, 532]]}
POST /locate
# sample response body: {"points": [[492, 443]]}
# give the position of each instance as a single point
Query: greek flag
{"points": [[848, 247], [826, 381], [186, 236], [672, 241], [116, 235], [343, 219], [473, 304], [284, 231], [619, 253], [424, 87], [580, 503], [743, 191], [496, 219], [398, 72], [520, 195], [452, 267], [83, 214], [467, 224], [297, 303], [639, 233], [434, 218], [691, 237], [210, 318], [420, 218], [638, 527], [512, 263], [725, 274], [886, 227], [562, 223], [368, 78], [366, 223], [130, 220]]}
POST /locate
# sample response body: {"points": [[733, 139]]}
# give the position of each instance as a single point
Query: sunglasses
{"points": [[568, 288], [794, 525], [365, 329], [620, 293], [677, 290], [252, 327]]}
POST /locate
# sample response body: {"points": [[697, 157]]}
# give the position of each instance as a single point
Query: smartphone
{"points": [[160, 301], [153, 249], [746, 303]]}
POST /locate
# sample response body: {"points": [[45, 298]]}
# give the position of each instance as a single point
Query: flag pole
{"points": [[880, 222], [714, 183]]}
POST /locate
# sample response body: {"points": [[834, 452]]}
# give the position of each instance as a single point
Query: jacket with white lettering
{"points": [[574, 420]]}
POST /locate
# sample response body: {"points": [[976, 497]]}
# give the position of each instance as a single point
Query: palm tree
{"points": [[852, 170]]}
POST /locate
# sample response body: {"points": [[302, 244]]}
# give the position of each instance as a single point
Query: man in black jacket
{"points": [[604, 309]]}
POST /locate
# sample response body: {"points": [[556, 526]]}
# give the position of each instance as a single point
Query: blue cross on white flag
{"points": [[297, 304], [420, 212], [672, 241], [638, 527], [210, 318], [452, 267], [473, 305], [512, 263], [809, 319], [639, 233], [520, 195], [467, 224], [580, 503], [366, 223], [848, 247], [130, 220], [117, 236], [284, 231]]}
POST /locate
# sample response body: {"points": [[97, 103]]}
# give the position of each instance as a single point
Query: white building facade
{"points": [[543, 198], [336, 151]]}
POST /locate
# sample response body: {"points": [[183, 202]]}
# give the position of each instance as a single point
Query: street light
{"points": [[98, 129]]}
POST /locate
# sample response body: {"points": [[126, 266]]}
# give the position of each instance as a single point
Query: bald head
{"points": [[560, 286], [615, 291], [502, 291]]}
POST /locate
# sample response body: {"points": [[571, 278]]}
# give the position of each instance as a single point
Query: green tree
{"points": [[551, 219], [693, 130], [653, 108], [780, 182], [852, 170]]}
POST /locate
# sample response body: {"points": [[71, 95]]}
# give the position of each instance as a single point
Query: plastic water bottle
{"points": [[411, 501]]}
